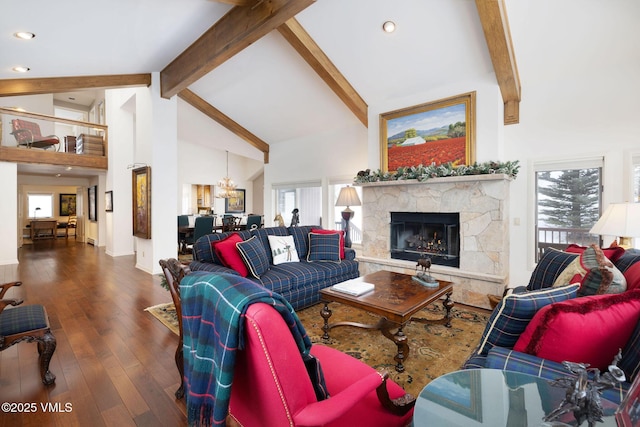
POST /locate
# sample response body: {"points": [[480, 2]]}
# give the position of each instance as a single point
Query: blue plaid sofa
{"points": [[516, 309], [298, 282]]}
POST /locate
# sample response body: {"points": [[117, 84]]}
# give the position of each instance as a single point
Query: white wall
{"points": [[580, 89], [9, 214], [320, 157], [120, 116]]}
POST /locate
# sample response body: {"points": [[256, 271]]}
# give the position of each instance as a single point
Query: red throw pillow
{"points": [[341, 232], [589, 329], [613, 252], [229, 255], [633, 276]]}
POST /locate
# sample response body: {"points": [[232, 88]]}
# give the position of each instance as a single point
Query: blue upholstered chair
{"points": [[203, 226], [27, 323], [184, 238], [253, 222]]}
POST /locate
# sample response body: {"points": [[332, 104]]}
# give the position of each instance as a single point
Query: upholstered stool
{"points": [[29, 323]]}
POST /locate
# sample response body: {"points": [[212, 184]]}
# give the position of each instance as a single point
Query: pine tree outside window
{"points": [[568, 204]]}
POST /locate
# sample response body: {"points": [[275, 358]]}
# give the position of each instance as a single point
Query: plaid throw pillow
{"points": [[512, 315], [254, 255], [324, 247], [552, 263]]}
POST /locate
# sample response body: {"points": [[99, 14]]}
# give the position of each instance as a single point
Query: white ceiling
{"points": [[267, 88]]}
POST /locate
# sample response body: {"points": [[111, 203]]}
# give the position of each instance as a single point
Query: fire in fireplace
{"points": [[425, 234]]}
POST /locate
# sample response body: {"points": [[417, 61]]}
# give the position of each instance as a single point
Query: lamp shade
{"points": [[620, 219], [348, 197]]}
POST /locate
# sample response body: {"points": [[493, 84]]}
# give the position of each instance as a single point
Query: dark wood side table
{"points": [[395, 298]]}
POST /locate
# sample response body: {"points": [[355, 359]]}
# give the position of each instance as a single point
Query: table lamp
{"points": [[347, 197], [35, 213], [620, 220]]}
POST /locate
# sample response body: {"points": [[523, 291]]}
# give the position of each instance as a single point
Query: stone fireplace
{"points": [[433, 235], [481, 202]]}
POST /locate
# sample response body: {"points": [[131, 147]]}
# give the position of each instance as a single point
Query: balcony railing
{"points": [[354, 232], [560, 238], [38, 138]]}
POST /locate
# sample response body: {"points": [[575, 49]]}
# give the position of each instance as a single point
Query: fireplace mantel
{"points": [[483, 204], [438, 180]]}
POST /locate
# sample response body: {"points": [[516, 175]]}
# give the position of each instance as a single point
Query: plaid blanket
{"points": [[213, 307]]}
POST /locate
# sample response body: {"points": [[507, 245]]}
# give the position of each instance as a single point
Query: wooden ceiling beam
{"points": [[239, 2], [236, 30], [38, 86], [306, 47], [217, 115], [495, 24]]}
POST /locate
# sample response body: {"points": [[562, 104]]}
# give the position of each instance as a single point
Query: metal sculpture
{"points": [[583, 391]]}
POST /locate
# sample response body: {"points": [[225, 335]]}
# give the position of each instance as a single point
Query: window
{"points": [[568, 204], [307, 198], [40, 205]]}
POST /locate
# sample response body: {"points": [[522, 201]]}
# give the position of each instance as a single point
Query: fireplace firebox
{"points": [[425, 234]]}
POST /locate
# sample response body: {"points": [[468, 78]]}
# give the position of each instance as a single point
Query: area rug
{"points": [[165, 313], [434, 350]]}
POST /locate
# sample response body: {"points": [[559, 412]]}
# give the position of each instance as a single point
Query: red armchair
{"points": [[271, 385], [28, 133]]}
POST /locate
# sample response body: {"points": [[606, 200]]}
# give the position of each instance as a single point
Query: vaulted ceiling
{"points": [[266, 70]]}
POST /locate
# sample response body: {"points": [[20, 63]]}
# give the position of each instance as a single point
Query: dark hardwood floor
{"points": [[113, 362]]}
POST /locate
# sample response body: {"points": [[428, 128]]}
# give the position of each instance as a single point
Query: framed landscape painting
{"points": [[141, 182], [437, 132]]}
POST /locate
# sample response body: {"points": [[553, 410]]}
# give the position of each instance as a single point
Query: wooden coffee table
{"points": [[396, 298]]}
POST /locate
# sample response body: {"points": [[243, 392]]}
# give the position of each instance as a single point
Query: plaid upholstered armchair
{"points": [[28, 134], [27, 323]]}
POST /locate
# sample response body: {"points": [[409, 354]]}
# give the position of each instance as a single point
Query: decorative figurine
{"points": [[583, 394], [295, 217], [424, 276], [279, 220]]}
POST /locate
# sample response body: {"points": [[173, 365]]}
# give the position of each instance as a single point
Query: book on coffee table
{"points": [[353, 287]]}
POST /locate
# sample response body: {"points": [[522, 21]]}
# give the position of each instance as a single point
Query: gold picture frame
{"points": [[436, 132], [141, 183]]}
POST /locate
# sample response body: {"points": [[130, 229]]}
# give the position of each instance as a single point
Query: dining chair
{"points": [[203, 226], [185, 238], [230, 223], [72, 224], [254, 222]]}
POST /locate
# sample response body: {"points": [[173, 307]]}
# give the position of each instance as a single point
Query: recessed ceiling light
{"points": [[389, 26], [21, 69], [68, 168], [24, 35]]}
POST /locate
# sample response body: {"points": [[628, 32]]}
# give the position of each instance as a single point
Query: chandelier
{"points": [[226, 186]]}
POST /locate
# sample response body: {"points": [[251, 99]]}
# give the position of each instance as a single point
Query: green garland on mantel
{"points": [[423, 173]]}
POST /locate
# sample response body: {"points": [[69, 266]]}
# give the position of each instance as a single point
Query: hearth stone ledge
{"points": [[469, 288]]}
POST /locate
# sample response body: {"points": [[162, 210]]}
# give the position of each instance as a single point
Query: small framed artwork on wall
{"points": [[235, 203], [108, 201], [142, 202], [67, 204], [93, 208]]}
